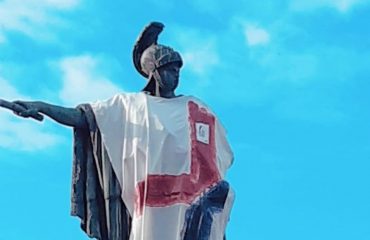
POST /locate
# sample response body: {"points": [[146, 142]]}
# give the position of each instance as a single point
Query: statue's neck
{"points": [[166, 94]]}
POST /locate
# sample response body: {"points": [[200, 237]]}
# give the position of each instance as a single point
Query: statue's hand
{"points": [[27, 109]]}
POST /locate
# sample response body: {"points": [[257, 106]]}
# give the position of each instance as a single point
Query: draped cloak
{"points": [[151, 168]]}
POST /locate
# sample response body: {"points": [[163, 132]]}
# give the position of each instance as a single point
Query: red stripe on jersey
{"points": [[165, 190]]}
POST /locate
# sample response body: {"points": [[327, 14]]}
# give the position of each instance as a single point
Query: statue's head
{"points": [[158, 63]]}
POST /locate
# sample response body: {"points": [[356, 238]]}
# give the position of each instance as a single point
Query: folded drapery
{"points": [[96, 193]]}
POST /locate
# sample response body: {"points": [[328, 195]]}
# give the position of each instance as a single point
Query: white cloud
{"points": [[340, 5], [200, 59], [7, 91], [35, 18], [199, 51], [21, 134], [82, 81], [256, 36]]}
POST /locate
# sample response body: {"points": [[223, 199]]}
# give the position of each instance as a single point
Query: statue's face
{"points": [[169, 76]]}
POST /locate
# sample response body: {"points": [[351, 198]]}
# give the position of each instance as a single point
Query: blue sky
{"points": [[288, 78]]}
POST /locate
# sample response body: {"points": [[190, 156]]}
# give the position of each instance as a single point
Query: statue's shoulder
{"points": [[199, 102], [117, 99], [127, 96]]}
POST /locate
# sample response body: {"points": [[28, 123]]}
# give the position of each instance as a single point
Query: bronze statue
{"points": [[147, 165]]}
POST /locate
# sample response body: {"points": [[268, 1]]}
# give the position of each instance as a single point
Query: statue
{"points": [[147, 165]]}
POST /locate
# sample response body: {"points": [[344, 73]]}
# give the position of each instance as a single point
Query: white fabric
{"points": [[147, 135]]}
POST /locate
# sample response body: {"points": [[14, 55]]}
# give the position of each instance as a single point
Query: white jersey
{"points": [[167, 154]]}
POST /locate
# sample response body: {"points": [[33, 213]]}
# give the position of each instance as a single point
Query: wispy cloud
{"points": [[198, 49], [340, 5], [8, 91], [200, 59], [281, 76], [83, 80], [34, 18], [256, 35], [20, 134]]}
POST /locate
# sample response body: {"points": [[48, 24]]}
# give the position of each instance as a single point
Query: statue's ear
{"points": [[148, 37]]}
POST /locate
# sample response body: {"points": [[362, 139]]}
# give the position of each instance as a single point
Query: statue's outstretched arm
{"points": [[67, 116]]}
